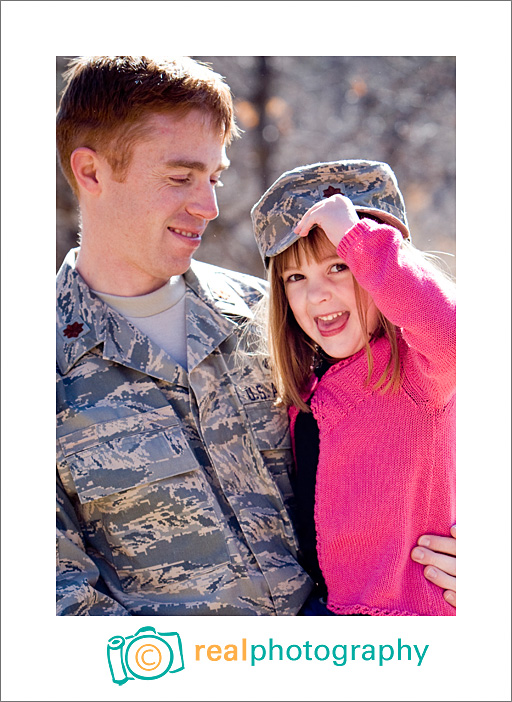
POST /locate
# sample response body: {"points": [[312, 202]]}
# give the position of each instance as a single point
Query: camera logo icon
{"points": [[146, 655]]}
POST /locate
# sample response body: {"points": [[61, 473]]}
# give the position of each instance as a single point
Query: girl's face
{"points": [[322, 298]]}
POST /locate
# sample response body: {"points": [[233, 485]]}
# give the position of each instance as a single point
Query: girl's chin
{"points": [[338, 351]]}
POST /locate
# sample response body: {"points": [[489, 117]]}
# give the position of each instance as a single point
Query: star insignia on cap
{"points": [[332, 191], [73, 330]]}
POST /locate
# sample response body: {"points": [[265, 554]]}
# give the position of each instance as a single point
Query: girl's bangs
{"points": [[313, 247]]}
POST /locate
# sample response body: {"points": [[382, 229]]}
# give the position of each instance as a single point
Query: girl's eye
{"points": [[294, 278], [339, 268]]}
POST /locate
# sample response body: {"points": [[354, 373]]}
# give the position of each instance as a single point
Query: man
{"points": [[173, 462]]}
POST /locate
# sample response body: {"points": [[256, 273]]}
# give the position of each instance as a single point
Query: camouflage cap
{"points": [[371, 185]]}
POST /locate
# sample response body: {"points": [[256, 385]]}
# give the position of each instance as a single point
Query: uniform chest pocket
{"points": [[125, 453], [269, 425], [145, 501], [257, 394]]}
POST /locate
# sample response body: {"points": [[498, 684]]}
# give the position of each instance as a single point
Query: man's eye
{"points": [[217, 183], [181, 180], [339, 268]]}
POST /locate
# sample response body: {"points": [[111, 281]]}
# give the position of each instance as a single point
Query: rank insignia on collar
{"points": [[74, 330], [223, 294], [221, 291]]}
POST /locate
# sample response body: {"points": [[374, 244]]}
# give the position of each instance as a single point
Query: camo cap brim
{"points": [[370, 185]]}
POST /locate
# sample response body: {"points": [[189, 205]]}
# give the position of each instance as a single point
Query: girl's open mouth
{"points": [[331, 324]]}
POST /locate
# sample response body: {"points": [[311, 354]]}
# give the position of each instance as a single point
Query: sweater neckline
{"points": [[344, 362], [340, 365]]}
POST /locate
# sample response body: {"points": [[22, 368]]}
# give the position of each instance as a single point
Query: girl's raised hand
{"points": [[335, 215]]}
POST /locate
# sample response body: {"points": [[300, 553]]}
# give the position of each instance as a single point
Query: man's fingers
{"points": [[438, 560], [437, 554], [439, 578], [443, 544], [450, 597]]}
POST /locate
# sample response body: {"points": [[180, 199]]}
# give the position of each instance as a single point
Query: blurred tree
{"points": [[261, 100]]}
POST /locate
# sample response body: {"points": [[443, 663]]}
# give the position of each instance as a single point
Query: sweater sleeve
{"points": [[414, 296]]}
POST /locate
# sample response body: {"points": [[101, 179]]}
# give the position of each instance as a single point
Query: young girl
{"points": [[362, 335]]}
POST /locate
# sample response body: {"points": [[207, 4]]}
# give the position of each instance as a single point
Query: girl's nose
{"points": [[318, 291]]}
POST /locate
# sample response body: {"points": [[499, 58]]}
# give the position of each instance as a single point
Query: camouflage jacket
{"points": [[171, 485]]}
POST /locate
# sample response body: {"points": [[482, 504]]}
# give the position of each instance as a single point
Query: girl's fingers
{"points": [[308, 220], [335, 215], [306, 224]]}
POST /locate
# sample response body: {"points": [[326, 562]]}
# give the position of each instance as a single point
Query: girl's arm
{"points": [[403, 285]]}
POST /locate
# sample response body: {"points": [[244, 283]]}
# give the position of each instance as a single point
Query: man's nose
{"points": [[203, 203]]}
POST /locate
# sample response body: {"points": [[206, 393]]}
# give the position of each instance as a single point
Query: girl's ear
{"points": [[85, 163]]}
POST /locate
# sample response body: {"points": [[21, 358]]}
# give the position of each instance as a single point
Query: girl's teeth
{"points": [[330, 317]]}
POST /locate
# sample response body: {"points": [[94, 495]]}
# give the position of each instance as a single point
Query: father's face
{"points": [[155, 218]]}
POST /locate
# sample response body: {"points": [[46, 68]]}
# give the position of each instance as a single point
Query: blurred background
{"points": [[296, 110]]}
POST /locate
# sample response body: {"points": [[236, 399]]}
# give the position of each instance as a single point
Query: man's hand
{"points": [[437, 554]]}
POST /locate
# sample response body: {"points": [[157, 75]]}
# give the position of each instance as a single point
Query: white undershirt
{"points": [[160, 315]]}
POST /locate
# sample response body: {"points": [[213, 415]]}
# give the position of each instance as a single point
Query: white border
{"points": [[46, 658]]}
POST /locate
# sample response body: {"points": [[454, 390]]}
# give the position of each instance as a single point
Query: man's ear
{"points": [[85, 165]]}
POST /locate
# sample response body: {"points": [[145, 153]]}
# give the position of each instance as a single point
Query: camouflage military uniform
{"points": [[171, 485]]}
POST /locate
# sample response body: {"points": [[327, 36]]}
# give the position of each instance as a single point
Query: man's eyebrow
{"points": [[195, 165]]}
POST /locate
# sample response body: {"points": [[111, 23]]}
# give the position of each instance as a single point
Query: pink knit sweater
{"points": [[386, 471]]}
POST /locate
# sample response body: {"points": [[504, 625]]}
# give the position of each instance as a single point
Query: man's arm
{"points": [[77, 574], [437, 554]]}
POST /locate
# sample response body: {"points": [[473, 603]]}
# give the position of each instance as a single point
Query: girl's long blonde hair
{"points": [[293, 355]]}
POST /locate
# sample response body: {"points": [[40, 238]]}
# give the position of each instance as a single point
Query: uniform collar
{"points": [[214, 309]]}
